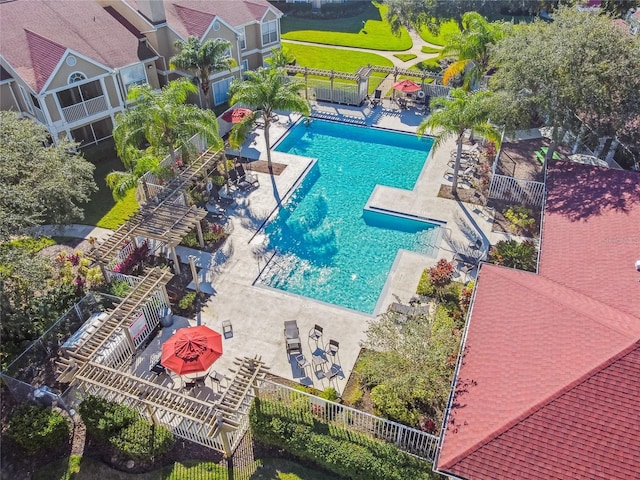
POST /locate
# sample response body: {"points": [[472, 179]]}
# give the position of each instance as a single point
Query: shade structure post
{"points": [[224, 435], [176, 261], [194, 272], [200, 236]]}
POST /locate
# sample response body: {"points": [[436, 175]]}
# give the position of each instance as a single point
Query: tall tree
{"points": [[471, 48], [452, 117], [163, 120], [268, 90], [202, 59], [40, 183], [579, 64]]}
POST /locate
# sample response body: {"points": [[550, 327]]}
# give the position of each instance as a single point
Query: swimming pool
{"points": [[328, 247]]}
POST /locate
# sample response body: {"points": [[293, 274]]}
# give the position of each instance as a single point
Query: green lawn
{"points": [[333, 58], [428, 49], [348, 61], [103, 210], [348, 32], [446, 29], [405, 57], [85, 468]]}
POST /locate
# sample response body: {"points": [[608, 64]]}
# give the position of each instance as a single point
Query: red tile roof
{"points": [[193, 17], [548, 386], [34, 32]]}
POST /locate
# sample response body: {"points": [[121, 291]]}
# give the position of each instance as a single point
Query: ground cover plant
{"points": [[375, 33]]}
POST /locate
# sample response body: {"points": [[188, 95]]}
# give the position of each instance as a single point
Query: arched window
{"points": [[76, 77]]}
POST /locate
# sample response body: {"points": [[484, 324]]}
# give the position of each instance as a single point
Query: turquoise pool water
{"points": [[328, 247]]}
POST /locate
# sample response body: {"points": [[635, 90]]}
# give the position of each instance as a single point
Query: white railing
{"points": [[121, 255], [436, 90], [154, 184], [516, 190], [129, 279], [339, 92], [410, 440], [81, 110]]}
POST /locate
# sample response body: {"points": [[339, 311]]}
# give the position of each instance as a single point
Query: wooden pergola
{"points": [[218, 424], [167, 218], [114, 329]]}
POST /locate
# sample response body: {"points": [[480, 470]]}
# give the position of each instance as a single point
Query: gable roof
{"points": [[193, 17], [35, 34], [547, 385]]}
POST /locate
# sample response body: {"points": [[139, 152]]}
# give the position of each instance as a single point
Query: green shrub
{"points": [[388, 404], [141, 440], [30, 244], [124, 428], [37, 428], [119, 288], [105, 419], [346, 453], [329, 393], [186, 302], [514, 254], [520, 218], [424, 285]]}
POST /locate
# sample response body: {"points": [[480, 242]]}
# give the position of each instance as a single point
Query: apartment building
{"points": [[69, 64]]}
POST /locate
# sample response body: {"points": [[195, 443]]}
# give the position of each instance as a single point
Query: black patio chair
{"points": [[248, 177], [215, 196], [241, 183], [377, 98]]}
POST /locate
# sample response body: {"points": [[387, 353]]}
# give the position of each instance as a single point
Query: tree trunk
{"points": [[172, 154], [456, 167], [205, 85], [267, 122]]}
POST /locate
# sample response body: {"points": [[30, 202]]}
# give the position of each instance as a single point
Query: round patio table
{"points": [[196, 375]]}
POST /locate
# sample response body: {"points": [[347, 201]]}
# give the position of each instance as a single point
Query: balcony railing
{"points": [[81, 110]]}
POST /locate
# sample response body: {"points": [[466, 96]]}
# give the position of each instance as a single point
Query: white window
{"points": [[221, 91], [134, 75], [245, 65], [242, 40], [76, 77], [269, 32], [25, 98]]}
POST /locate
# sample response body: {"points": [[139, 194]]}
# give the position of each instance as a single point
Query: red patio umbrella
{"points": [[191, 350], [406, 86], [236, 115]]}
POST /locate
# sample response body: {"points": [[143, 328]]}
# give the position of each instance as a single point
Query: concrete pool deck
{"points": [[258, 313]]}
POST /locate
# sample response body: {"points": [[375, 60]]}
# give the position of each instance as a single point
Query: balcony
{"points": [[85, 109]]}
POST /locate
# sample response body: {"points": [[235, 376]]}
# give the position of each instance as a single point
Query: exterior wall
{"points": [[52, 107], [61, 78], [252, 37], [6, 98]]}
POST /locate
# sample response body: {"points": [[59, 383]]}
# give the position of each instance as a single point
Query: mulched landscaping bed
{"points": [[261, 166], [467, 195]]}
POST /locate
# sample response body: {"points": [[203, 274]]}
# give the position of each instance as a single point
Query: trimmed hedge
{"points": [[37, 428], [343, 452], [124, 428]]}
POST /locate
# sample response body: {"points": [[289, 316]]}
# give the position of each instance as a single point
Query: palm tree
{"points": [[202, 59], [268, 90], [454, 116], [137, 164], [280, 58], [163, 120], [471, 47]]}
